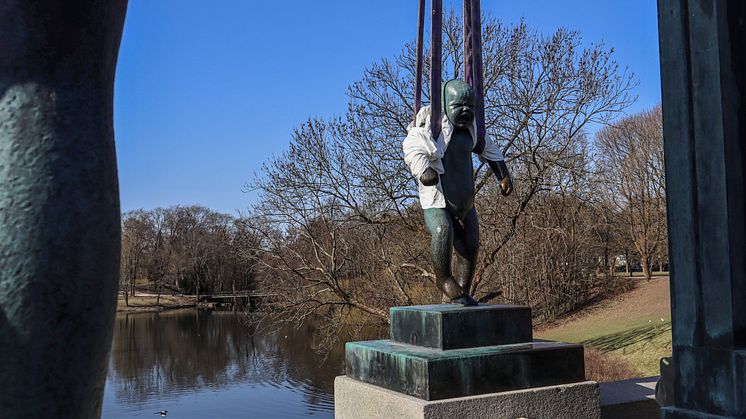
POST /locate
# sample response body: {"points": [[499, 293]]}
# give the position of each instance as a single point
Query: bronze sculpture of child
{"points": [[445, 174]]}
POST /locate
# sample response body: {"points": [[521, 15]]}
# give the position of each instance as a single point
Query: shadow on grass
{"points": [[614, 341]]}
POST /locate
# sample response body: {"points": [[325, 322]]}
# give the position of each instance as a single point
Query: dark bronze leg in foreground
{"points": [[440, 225], [59, 204], [466, 244]]}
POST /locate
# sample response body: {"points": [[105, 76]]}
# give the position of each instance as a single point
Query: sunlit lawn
{"points": [[635, 327]]}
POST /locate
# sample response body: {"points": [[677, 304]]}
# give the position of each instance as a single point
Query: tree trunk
{"points": [[196, 284], [627, 265], [646, 265], [604, 268], [235, 298]]}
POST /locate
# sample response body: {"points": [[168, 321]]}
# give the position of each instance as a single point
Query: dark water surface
{"points": [[210, 365]]}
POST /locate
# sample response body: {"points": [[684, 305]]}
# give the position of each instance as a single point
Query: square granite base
{"points": [[356, 400]]}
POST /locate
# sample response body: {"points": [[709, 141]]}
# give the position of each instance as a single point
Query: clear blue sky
{"points": [[206, 91]]}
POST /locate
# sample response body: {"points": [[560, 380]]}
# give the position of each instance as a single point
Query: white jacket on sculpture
{"points": [[421, 152]]}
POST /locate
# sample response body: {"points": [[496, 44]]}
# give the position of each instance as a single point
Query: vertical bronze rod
{"points": [[436, 45], [476, 20], [420, 47], [468, 44]]}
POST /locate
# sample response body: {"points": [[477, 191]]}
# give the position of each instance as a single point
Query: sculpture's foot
{"points": [[465, 300]]}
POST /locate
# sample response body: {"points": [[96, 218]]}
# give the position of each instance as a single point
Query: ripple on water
{"points": [[204, 365]]}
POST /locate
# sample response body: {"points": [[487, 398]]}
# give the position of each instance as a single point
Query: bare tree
{"points": [[135, 231], [630, 156], [311, 210], [542, 92], [340, 228], [186, 249]]}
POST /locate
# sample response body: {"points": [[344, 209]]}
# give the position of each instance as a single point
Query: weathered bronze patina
{"points": [[443, 351], [59, 204], [456, 226]]}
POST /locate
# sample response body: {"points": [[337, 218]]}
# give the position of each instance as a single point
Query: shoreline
{"points": [[152, 309], [147, 303]]}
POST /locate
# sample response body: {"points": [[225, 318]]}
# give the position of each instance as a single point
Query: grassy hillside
{"points": [[634, 327]]}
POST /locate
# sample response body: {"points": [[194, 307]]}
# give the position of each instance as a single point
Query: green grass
{"points": [[645, 354], [627, 338], [635, 328], [641, 347], [590, 329]]}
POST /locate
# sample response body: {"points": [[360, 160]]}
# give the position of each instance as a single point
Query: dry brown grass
{"points": [[603, 368], [647, 302]]}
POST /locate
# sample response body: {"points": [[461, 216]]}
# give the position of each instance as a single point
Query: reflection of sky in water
{"points": [[209, 366], [239, 401]]}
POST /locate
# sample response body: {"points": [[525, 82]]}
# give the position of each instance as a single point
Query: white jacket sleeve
{"points": [[420, 151], [416, 151], [491, 150]]}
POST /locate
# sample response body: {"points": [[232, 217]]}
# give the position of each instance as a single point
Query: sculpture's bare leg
{"points": [[466, 244], [440, 226]]}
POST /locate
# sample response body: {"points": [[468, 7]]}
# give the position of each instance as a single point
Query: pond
{"points": [[211, 364]]}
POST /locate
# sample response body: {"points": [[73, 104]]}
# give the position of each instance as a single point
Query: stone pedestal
{"points": [[466, 358], [357, 400]]}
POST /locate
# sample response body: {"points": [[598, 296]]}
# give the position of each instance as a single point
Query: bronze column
{"points": [[59, 204]]}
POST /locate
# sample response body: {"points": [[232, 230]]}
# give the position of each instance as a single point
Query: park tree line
{"points": [[186, 250], [339, 229]]}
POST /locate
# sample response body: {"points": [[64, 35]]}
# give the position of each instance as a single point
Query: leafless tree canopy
{"points": [[630, 154], [338, 226], [189, 250]]}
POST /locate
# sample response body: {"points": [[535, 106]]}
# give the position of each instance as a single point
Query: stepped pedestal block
{"points": [[446, 354], [451, 326], [432, 374]]}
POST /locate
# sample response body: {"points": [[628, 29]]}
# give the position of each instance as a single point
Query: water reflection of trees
{"points": [[161, 355]]}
